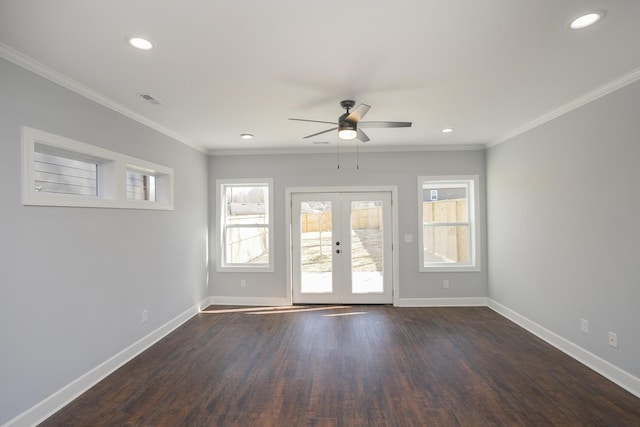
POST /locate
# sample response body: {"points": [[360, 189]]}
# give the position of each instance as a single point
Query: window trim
{"points": [[221, 266], [111, 174], [473, 197]]}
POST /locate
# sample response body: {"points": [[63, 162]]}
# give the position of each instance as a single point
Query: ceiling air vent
{"points": [[149, 98]]}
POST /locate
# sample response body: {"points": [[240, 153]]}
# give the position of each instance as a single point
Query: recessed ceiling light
{"points": [[140, 43], [246, 136], [447, 130], [587, 20]]}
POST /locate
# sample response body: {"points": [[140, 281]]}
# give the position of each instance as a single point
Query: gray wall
{"points": [[73, 281], [563, 211], [376, 169]]}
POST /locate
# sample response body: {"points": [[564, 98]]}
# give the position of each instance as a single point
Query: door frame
{"points": [[289, 191]]}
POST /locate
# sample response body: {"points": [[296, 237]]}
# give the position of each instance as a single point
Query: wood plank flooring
{"points": [[352, 366]]}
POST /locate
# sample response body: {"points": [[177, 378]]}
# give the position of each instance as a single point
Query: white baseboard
{"points": [[267, 302], [205, 303], [49, 406], [601, 366], [441, 302]]}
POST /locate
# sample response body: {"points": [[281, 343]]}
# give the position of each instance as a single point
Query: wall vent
{"points": [[149, 98]]}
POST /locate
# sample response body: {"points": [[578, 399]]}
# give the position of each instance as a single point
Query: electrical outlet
{"points": [[145, 315], [243, 283], [445, 284], [613, 340], [584, 326]]}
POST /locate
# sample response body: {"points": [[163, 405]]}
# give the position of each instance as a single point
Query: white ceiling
{"points": [[489, 69]]}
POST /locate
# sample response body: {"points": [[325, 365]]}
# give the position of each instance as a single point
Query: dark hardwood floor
{"points": [[357, 366]]}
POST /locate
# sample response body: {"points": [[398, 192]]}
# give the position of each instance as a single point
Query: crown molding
{"points": [[60, 79], [591, 96]]}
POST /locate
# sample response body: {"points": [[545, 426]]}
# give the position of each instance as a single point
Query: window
{"points": [[64, 174], [447, 220], [59, 171], [141, 186], [245, 221]]}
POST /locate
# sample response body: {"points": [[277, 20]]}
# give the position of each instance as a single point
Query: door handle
{"points": [[337, 251], [337, 243]]}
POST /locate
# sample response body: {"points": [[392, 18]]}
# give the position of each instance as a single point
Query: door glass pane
{"points": [[316, 247], [366, 247]]}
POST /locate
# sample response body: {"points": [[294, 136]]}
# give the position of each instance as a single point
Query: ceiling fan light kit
{"points": [[347, 134], [349, 124], [347, 131]]}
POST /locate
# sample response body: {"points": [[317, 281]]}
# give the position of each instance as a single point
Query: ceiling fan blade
{"points": [[384, 124], [314, 121], [362, 136], [357, 114], [320, 133]]}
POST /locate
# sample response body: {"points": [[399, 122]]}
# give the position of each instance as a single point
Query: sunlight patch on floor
{"points": [[353, 313], [250, 309], [298, 309]]}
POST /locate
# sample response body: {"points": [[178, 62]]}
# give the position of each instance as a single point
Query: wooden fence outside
{"points": [[446, 242], [449, 242], [360, 218]]}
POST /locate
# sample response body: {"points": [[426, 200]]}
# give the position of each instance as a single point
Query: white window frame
{"points": [[111, 174], [221, 265], [473, 204]]}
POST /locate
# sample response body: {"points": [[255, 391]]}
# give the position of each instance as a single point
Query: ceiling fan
{"points": [[349, 124]]}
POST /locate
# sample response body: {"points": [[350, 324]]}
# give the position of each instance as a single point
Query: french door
{"points": [[341, 248]]}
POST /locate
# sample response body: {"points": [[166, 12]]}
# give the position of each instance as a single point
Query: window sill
{"points": [[245, 269], [451, 269], [44, 199]]}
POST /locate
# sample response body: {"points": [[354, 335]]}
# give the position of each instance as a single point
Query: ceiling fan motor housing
{"points": [[344, 123]]}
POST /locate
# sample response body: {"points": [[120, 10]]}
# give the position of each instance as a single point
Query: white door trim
{"points": [[393, 189]]}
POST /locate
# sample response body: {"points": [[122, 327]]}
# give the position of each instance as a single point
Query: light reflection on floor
{"points": [[248, 309], [281, 310], [296, 309], [353, 313]]}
